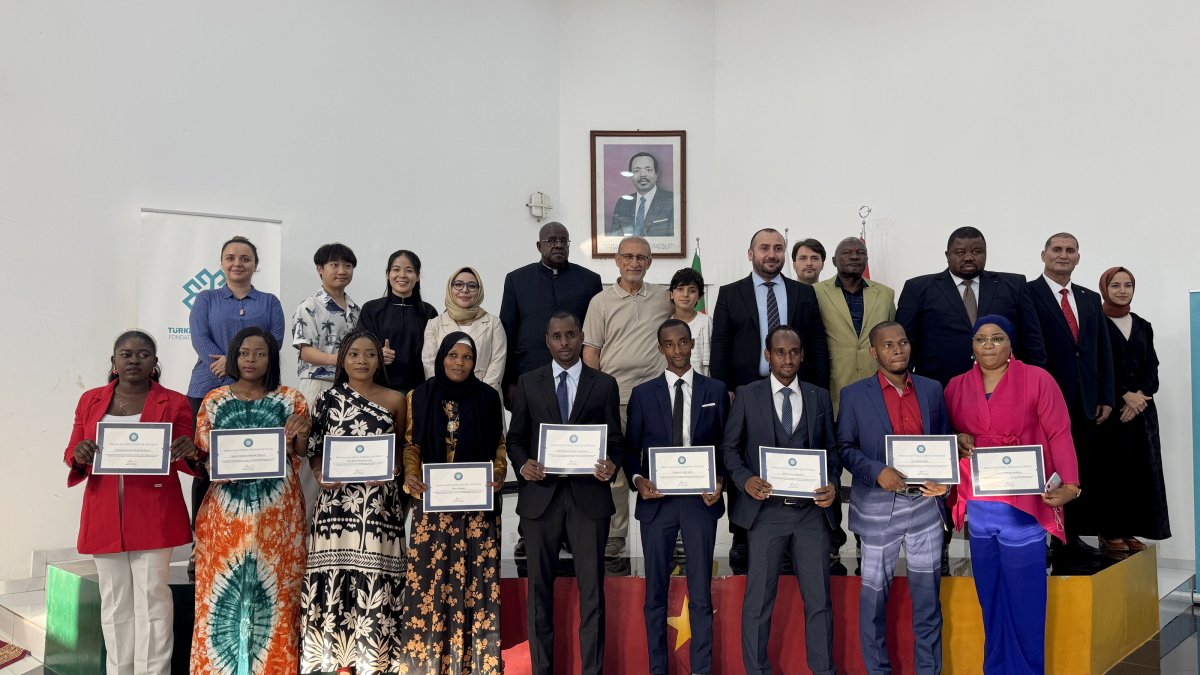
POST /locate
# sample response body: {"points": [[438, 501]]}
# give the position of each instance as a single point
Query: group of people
{"points": [[355, 577]]}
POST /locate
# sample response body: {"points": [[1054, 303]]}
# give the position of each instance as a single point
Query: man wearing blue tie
{"points": [[886, 512], [676, 409], [650, 210]]}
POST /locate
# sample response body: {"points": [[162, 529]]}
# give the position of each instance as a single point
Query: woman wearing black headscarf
{"points": [[453, 417]]}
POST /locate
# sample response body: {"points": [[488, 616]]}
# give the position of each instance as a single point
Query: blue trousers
{"points": [[1008, 555]]}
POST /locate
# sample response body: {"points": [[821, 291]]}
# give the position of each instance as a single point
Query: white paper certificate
{"points": [[684, 471], [793, 472], [244, 454], [358, 459], [922, 458], [457, 486], [1015, 470], [142, 448], [572, 448]]}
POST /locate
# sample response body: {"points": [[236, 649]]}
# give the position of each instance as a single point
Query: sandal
{"points": [[1118, 545], [1135, 545]]}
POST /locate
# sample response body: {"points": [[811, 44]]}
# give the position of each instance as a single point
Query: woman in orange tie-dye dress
{"points": [[250, 552]]}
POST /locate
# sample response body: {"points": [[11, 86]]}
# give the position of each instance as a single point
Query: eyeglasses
{"points": [[465, 285], [996, 340], [556, 241], [631, 257]]}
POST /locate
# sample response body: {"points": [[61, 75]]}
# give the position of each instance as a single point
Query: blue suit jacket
{"points": [[862, 424], [649, 426]]}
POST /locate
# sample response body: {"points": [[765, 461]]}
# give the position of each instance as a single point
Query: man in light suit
{"points": [[1080, 359], [676, 409], [650, 210], [554, 507], [781, 411], [885, 512]]}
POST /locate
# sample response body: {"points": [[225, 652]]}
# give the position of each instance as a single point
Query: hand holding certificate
{"points": [[574, 449], [924, 458], [684, 471], [359, 459], [142, 448], [456, 486], [794, 472], [246, 454], [1005, 471]]}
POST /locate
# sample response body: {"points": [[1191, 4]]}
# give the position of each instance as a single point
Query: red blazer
{"points": [[155, 515]]}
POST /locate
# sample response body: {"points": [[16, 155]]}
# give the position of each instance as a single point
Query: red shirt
{"points": [[903, 409]]}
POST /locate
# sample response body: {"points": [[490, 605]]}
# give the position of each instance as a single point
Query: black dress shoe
{"points": [[739, 559]]}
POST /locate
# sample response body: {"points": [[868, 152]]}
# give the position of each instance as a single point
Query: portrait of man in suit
{"points": [[650, 210]]}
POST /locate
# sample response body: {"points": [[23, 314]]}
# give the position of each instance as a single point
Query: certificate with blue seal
{"points": [[247, 454], [358, 459], [1008, 471], [457, 486], [572, 448], [922, 458], [137, 449], [793, 472], [684, 471]]}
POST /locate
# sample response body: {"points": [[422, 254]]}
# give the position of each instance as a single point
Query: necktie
{"points": [[677, 415], [785, 417], [969, 300], [639, 221], [564, 403], [772, 307], [1069, 316]]}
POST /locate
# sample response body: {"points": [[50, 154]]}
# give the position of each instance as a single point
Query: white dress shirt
{"points": [[573, 374], [1057, 290], [797, 400], [672, 378], [962, 290]]}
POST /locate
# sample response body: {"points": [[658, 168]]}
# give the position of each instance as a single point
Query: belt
{"points": [[792, 501]]}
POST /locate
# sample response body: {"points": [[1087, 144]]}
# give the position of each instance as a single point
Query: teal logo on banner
{"points": [[202, 281]]}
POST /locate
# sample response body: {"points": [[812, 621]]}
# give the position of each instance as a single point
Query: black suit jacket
{"points": [[659, 218], [535, 402], [932, 313], [737, 345], [1084, 371]]}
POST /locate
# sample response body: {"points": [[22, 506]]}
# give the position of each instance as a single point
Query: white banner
{"points": [[181, 256]]}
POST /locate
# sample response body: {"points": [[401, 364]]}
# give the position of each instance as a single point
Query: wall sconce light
{"points": [[539, 205]]}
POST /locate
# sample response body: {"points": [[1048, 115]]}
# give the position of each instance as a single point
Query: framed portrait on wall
{"points": [[639, 187]]}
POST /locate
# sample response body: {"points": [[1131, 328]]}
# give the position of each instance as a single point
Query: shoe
{"points": [[519, 549], [1135, 545], [738, 558], [1117, 545], [614, 548]]}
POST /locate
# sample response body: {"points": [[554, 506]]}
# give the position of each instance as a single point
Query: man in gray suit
{"points": [[650, 210], [782, 412]]}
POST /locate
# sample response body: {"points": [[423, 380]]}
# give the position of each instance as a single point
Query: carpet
{"points": [[10, 654]]}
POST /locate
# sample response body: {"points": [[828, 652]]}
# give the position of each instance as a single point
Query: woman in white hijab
{"points": [[465, 312]]}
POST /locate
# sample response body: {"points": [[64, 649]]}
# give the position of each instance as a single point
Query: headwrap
{"points": [[1005, 325], [1111, 309], [479, 417], [464, 314]]}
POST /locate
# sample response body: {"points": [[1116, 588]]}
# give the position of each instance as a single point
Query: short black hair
{"points": [[563, 314], [687, 277], [272, 379], [782, 328], [1060, 235], [880, 327], [967, 232], [644, 154], [334, 252], [239, 239], [769, 230], [673, 323], [136, 334], [809, 243]]}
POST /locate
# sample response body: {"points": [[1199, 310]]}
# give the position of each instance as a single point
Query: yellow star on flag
{"points": [[682, 625]]}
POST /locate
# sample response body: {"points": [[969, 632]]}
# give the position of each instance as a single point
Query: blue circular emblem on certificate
{"points": [[921, 449], [574, 438], [682, 459], [458, 475], [792, 461], [133, 436], [1007, 459], [249, 442], [359, 449]]}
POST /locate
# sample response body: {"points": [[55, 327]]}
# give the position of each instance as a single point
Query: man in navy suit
{"points": [[1080, 359], [676, 409], [781, 411], [886, 512], [650, 210], [574, 507]]}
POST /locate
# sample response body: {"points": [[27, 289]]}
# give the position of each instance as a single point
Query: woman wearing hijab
{"points": [[398, 319], [465, 312], [1004, 402], [452, 616], [1129, 453]]}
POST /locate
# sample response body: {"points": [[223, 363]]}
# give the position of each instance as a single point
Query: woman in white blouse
{"points": [[464, 312]]}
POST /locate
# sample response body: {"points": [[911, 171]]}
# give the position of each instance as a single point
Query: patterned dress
{"points": [[249, 552], [452, 617], [354, 588]]}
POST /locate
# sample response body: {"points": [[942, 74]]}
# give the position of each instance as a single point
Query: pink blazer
{"points": [[1026, 408]]}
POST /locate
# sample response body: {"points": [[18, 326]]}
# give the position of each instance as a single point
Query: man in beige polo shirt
{"points": [[621, 339]]}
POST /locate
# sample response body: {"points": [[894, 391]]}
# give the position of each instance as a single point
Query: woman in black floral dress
{"points": [[452, 618], [353, 594]]}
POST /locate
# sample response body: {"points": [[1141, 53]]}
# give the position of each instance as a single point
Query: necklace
{"points": [[240, 397], [122, 404]]}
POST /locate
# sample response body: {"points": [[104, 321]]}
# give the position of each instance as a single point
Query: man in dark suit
{"points": [[781, 411], [938, 310], [676, 409], [885, 512], [650, 210], [1080, 359], [554, 507]]}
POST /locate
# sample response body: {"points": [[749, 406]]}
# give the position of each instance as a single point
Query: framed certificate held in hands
{"points": [[684, 471], [359, 459], [572, 448], [922, 458], [793, 472], [1004, 471], [457, 486], [142, 448], [245, 454]]}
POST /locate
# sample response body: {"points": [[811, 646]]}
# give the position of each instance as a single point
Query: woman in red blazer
{"points": [[130, 523]]}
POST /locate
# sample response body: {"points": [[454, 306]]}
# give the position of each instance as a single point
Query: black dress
{"points": [[401, 321], [1129, 453]]}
